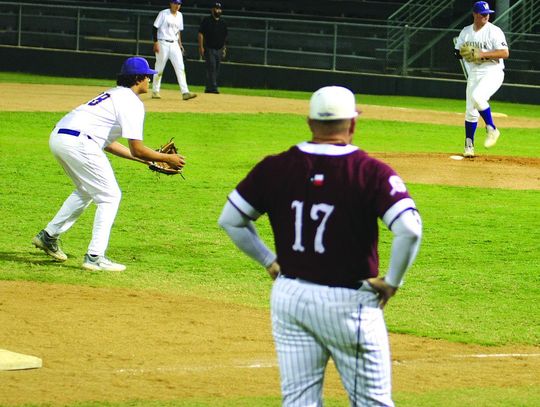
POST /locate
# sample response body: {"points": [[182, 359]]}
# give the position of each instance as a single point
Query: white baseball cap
{"points": [[332, 103]]}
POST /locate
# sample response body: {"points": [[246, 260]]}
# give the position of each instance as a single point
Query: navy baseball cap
{"points": [[217, 5], [482, 7], [136, 66], [176, 1]]}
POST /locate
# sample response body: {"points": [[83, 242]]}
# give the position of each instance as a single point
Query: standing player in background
{"points": [[77, 142], [212, 38], [323, 199], [486, 74], [167, 35]]}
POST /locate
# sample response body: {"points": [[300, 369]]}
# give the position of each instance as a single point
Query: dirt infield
{"points": [[114, 344], [111, 344]]}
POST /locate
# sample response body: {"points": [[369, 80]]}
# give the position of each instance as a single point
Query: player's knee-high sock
{"points": [[470, 129], [486, 115]]}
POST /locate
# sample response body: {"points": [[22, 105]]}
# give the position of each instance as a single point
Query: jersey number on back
{"points": [[99, 99], [317, 212]]}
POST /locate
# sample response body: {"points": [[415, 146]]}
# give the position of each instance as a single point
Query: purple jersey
{"points": [[323, 202]]}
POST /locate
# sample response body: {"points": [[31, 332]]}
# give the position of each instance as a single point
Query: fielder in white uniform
{"points": [[167, 35], [485, 77], [323, 199], [77, 142]]}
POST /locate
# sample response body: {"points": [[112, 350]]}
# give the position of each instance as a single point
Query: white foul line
{"points": [[271, 365], [499, 355]]}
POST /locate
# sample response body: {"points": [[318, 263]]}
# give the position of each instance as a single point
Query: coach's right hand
{"points": [[385, 290]]}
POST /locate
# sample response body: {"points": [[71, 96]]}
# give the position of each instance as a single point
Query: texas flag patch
{"points": [[317, 180]]}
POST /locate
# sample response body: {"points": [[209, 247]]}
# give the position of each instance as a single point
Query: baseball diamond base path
{"points": [[106, 344], [117, 345], [59, 98]]}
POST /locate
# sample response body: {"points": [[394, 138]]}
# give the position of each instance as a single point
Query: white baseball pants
{"points": [[312, 323], [480, 88], [91, 172], [170, 51]]}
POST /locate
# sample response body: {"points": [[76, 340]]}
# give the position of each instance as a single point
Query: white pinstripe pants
{"points": [[312, 323]]}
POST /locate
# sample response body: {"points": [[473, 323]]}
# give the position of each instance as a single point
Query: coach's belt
{"points": [[74, 133], [354, 286], [167, 40]]}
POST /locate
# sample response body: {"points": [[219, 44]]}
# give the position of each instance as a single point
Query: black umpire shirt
{"points": [[214, 32]]}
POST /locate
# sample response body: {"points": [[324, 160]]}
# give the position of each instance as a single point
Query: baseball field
{"points": [[187, 324]]}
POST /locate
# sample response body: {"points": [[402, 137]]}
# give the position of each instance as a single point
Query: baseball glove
{"points": [[163, 167], [470, 53]]}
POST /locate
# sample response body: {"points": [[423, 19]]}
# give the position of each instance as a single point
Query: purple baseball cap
{"points": [[176, 1], [136, 66], [482, 7]]}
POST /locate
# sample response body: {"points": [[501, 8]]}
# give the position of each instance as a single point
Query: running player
{"points": [[323, 199], [167, 35], [485, 77]]}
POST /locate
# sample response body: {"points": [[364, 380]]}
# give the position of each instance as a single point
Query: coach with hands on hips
{"points": [[212, 39], [324, 198], [486, 72], [167, 36]]}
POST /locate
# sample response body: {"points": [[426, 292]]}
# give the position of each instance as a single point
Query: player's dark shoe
{"points": [[101, 263], [188, 95], [49, 245], [212, 91]]}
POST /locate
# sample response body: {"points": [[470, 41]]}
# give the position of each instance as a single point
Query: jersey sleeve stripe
{"points": [[243, 206], [397, 209]]}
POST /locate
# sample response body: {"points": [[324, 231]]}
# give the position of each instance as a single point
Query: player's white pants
{"points": [[480, 88], [91, 172], [170, 51], [312, 323]]}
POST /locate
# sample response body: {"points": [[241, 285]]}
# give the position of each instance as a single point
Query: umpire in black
{"points": [[212, 37]]}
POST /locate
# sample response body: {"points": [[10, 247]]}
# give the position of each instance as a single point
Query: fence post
{"points": [[19, 33], [77, 40], [265, 62], [335, 47], [406, 45], [138, 35]]}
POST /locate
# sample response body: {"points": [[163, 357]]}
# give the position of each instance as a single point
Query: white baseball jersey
{"points": [[488, 38], [168, 25], [117, 112], [77, 142]]}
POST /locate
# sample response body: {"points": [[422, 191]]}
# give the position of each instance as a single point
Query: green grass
{"points": [[472, 397], [478, 242], [476, 279]]}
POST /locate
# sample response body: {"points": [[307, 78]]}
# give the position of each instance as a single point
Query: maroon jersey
{"points": [[323, 202]]}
